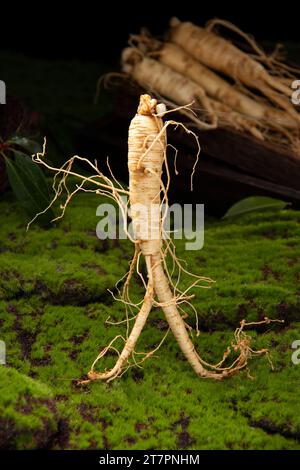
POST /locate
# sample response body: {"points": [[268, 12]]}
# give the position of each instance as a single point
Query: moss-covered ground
{"points": [[53, 307]]}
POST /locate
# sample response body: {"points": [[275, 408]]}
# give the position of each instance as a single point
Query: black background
{"points": [[99, 30]]}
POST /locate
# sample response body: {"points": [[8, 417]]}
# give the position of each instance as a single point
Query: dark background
{"points": [[99, 30]]}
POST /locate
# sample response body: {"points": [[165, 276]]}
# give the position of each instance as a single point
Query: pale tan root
{"points": [[279, 69], [255, 116], [160, 79], [173, 56], [273, 60], [145, 159], [221, 55], [174, 319], [176, 58]]}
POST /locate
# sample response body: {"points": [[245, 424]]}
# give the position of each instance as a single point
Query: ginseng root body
{"points": [[146, 156], [147, 145]]}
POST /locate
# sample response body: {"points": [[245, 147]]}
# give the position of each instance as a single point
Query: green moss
{"points": [[52, 317], [47, 261], [28, 418], [255, 262]]}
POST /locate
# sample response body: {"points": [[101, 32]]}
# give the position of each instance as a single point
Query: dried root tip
{"points": [[106, 376], [93, 375], [147, 105]]}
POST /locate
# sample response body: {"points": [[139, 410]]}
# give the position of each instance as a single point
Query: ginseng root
{"points": [[221, 55], [146, 155], [233, 109], [147, 145], [216, 87]]}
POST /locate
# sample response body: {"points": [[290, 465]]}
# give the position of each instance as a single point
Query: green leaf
{"points": [[27, 144], [29, 186], [254, 203]]}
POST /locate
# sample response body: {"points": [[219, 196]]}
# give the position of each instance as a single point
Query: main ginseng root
{"points": [[146, 156], [147, 144]]}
